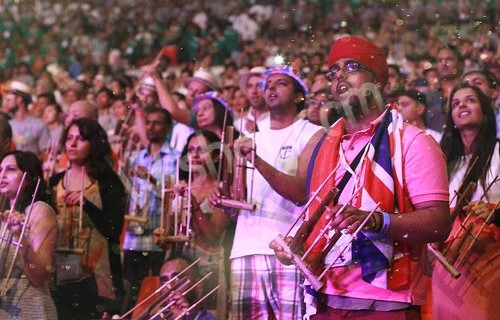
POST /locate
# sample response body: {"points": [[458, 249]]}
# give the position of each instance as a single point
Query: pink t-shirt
{"points": [[424, 165], [424, 179]]}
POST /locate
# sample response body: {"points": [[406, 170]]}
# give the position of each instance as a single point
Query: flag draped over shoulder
{"points": [[381, 175]]}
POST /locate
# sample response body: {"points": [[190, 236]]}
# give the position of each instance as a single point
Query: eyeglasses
{"points": [[203, 106], [349, 67], [164, 278], [192, 150], [316, 102]]}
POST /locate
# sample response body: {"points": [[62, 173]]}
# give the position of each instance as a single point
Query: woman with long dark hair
{"points": [[208, 223], [212, 113], [27, 294], [469, 134], [90, 225], [473, 157]]}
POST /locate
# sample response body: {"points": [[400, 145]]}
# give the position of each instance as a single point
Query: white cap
{"points": [[148, 84], [204, 77], [20, 88]]}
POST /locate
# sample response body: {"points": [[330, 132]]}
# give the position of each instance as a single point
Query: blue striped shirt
{"points": [[143, 196]]}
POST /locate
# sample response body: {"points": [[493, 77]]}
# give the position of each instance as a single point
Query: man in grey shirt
{"points": [[29, 133]]}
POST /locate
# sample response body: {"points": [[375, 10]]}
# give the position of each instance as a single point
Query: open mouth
{"points": [[342, 88], [272, 96]]}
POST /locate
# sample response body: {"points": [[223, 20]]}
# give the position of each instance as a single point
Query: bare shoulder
{"points": [[317, 136], [306, 154], [313, 141]]}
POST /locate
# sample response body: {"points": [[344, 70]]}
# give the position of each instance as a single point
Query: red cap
{"points": [[363, 51]]}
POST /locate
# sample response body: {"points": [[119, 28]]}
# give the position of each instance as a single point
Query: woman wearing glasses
{"points": [[320, 109], [208, 223]]}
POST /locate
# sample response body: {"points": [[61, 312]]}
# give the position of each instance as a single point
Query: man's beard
{"points": [[156, 138], [258, 105], [358, 104], [13, 110]]}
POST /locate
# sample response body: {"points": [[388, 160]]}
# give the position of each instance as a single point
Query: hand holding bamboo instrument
{"points": [[165, 312], [8, 237], [293, 247], [467, 234], [165, 287], [310, 272], [232, 173], [70, 240], [51, 160]]}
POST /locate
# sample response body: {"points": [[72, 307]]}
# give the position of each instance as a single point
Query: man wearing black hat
{"points": [[29, 133]]}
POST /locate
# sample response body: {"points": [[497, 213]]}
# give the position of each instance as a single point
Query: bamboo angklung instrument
{"points": [[453, 256], [69, 240], [51, 160], [296, 246], [232, 172], [163, 312], [464, 253], [465, 234], [7, 237], [166, 286], [441, 256], [138, 216], [125, 146], [177, 209]]}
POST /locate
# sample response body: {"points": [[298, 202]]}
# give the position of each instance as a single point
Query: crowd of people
{"points": [[146, 137]]}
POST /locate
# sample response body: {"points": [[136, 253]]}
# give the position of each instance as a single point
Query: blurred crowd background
{"points": [[118, 61], [107, 38]]}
